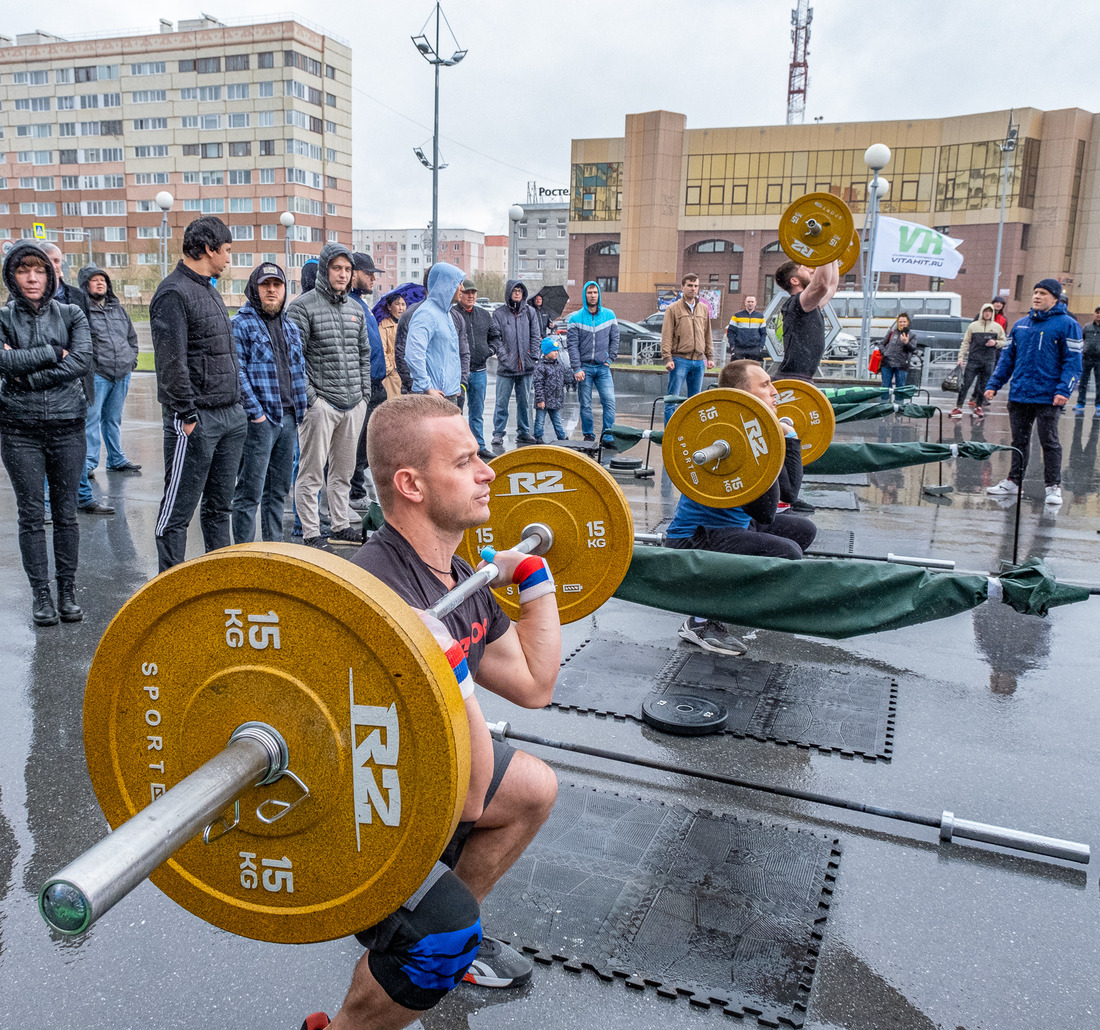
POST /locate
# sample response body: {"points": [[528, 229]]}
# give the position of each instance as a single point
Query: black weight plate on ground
{"points": [[685, 714], [625, 464]]}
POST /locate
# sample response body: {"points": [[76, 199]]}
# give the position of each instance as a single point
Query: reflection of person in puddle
{"points": [[1080, 474]]}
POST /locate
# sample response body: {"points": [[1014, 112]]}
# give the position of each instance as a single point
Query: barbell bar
{"points": [[948, 824]]}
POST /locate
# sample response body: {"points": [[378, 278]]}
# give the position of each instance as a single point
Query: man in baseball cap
{"points": [[363, 276], [1044, 352]]}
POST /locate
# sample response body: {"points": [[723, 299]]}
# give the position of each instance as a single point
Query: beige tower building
{"points": [[242, 121], [663, 200]]}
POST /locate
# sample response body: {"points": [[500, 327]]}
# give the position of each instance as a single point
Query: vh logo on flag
{"points": [[909, 247]]}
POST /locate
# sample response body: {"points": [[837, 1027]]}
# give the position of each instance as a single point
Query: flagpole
{"points": [[1007, 147]]}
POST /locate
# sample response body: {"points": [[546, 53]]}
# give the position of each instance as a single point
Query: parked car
{"points": [[845, 345], [939, 332], [648, 342], [654, 322]]}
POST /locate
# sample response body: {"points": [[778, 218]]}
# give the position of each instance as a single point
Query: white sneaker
{"points": [[1054, 495], [1002, 489]]}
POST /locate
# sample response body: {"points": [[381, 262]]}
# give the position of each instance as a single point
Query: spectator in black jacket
{"points": [[482, 335], [198, 388], [746, 334], [47, 349]]}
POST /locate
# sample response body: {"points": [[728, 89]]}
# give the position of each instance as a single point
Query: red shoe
{"points": [[973, 403], [316, 1021]]}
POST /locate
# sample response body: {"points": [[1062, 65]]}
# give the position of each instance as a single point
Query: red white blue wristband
{"points": [[457, 657], [533, 578]]}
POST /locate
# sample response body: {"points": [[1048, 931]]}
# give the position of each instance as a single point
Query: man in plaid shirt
{"points": [[272, 372]]}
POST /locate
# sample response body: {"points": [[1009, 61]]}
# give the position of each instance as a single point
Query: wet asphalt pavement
{"points": [[997, 719]]}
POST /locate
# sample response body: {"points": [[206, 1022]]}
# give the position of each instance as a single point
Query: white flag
{"points": [[909, 247]]}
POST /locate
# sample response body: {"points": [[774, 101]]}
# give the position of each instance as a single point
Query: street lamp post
{"points": [[164, 201], [515, 213], [876, 157], [286, 220], [431, 55], [1007, 148]]}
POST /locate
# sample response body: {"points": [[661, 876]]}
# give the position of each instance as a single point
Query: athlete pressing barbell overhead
{"points": [[764, 526], [432, 487]]}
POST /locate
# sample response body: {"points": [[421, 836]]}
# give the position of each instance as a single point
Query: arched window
{"points": [[609, 249], [717, 247], [772, 248]]}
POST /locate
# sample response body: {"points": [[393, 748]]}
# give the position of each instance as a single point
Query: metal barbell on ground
{"points": [[277, 739]]}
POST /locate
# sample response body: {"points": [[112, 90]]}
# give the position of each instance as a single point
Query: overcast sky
{"points": [[539, 74]]}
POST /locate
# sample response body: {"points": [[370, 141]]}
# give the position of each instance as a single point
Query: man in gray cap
{"points": [[482, 337]]}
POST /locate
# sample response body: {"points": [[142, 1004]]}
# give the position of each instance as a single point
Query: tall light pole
{"points": [[164, 201], [1007, 148], [431, 55], [876, 157], [286, 220], [515, 213]]}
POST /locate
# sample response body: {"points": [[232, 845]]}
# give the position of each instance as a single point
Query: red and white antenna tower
{"points": [[799, 77]]}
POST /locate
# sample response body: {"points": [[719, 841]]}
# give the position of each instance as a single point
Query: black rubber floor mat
{"points": [[841, 479], [838, 500], [723, 911], [839, 541], [808, 706]]}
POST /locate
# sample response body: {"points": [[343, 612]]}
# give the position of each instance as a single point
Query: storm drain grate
{"points": [[726, 912], [806, 706]]}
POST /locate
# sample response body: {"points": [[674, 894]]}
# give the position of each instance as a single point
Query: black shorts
{"points": [[423, 950]]}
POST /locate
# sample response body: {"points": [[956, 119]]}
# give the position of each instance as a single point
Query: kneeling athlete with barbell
{"points": [[764, 526], [432, 487]]}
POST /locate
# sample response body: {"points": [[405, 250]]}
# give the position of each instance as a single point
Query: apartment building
{"points": [[404, 255], [245, 122]]}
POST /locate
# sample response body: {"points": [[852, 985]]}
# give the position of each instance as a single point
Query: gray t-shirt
{"points": [[803, 340]]}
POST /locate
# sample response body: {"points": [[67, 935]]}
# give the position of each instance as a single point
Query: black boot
{"points": [[67, 607], [42, 610]]}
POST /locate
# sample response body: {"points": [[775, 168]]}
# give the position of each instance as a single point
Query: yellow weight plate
{"points": [[812, 414], [850, 256], [583, 506], [346, 672], [816, 229], [750, 428]]}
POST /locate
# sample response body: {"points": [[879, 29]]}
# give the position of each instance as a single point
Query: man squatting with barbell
{"points": [[764, 527], [432, 487]]}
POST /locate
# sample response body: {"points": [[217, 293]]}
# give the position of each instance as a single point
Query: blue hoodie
{"points": [[431, 347], [592, 339], [1042, 357]]}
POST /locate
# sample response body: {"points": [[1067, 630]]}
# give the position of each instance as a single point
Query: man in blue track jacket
{"points": [[1043, 360], [592, 338]]}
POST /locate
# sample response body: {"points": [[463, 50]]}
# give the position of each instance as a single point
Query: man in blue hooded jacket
{"points": [[432, 345], [1043, 360], [592, 338]]}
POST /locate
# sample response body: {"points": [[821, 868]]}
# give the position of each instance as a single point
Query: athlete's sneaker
{"points": [[1002, 489], [315, 1021], [1079, 409], [349, 535], [956, 413], [498, 965], [1054, 495], [977, 415], [712, 636]]}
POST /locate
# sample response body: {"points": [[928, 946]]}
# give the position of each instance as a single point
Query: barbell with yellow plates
{"points": [[277, 740], [723, 448], [818, 228], [812, 414]]}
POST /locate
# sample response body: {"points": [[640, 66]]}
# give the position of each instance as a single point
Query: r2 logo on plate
{"points": [[521, 483]]}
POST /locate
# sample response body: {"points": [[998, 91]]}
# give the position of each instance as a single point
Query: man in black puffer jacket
{"points": [[483, 336], [517, 355], [198, 388]]}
